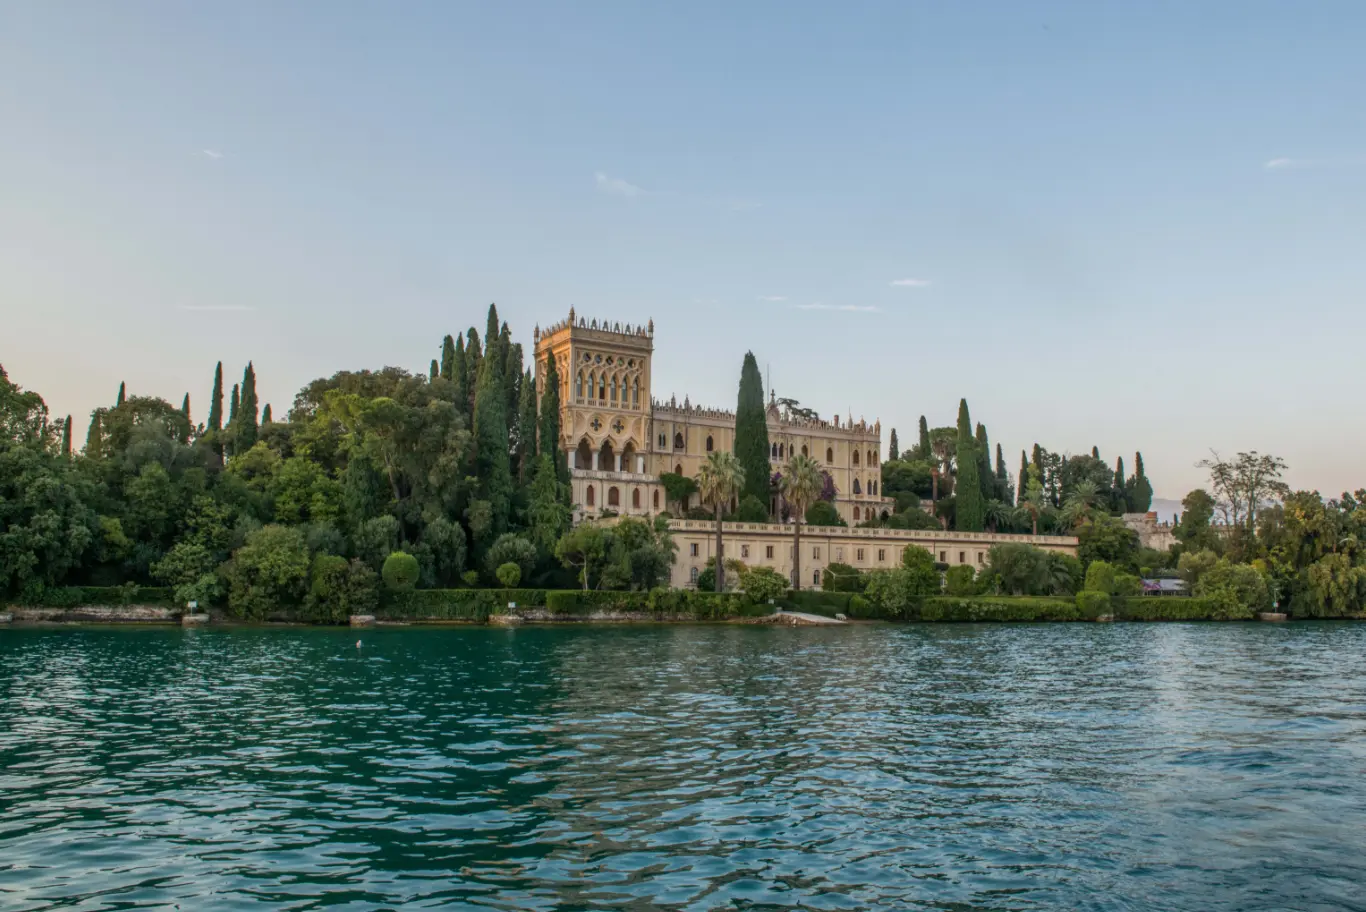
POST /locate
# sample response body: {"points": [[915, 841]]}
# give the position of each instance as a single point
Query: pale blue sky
{"points": [[1129, 225]]}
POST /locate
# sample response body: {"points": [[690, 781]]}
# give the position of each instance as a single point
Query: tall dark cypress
{"points": [[1121, 495], [434, 370], [247, 410], [751, 432], [66, 436], [185, 406], [94, 435], [447, 357], [1141, 498], [265, 414], [549, 436], [119, 401], [491, 443], [1023, 485], [491, 328], [458, 376], [1002, 476], [473, 359], [923, 445], [216, 400], [512, 383], [969, 508], [232, 405], [893, 453], [1095, 452], [526, 429], [985, 476]]}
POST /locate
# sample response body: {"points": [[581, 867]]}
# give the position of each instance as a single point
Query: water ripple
{"points": [[1125, 767]]}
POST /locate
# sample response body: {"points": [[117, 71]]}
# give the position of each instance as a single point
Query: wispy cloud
{"points": [[216, 308], [772, 298], [847, 308], [911, 283], [212, 153], [616, 186]]}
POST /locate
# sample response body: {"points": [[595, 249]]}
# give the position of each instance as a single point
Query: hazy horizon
{"points": [[1136, 229]]}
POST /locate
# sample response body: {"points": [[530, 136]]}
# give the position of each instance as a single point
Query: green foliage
{"points": [[1169, 608], [269, 572], [960, 580], [1102, 537], [762, 584], [1127, 585], [509, 575], [923, 443], [751, 510], [896, 593], [1100, 577], [970, 507], [46, 525], [751, 434], [548, 512], [1237, 590], [999, 609], [1092, 603], [1192, 565], [1139, 492], [893, 450], [839, 577], [511, 548], [491, 443], [96, 596], [338, 589], [1334, 587], [678, 488], [400, 571], [1193, 528], [823, 513]]}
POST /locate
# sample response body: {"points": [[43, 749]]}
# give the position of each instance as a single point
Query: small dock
{"points": [[802, 619]]}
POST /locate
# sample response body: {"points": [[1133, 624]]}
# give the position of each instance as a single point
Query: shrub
{"points": [[509, 575], [986, 608], [761, 584], [470, 578], [400, 571], [960, 580], [1169, 608], [459, 604], [823, 513], [843, 578], [100, 596], [752, 510], [1093, 604], [1126, 585], [514, 549], [703, 606], [339, 589], [1238, 590], [1100, 577], [269, 572]]}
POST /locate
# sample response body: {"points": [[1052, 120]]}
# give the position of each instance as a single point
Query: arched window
{"points": [[614, 389], [855, 510], [613, 497], [602, 388], [678, 469], [578, 386], [709, 443], [656, 500], [780, 451], [588, 496], [856, 487], [635, 393], [803, 449], [592, 384], [693, 576], [855, 457], [635, 498], [678, 441], [872, 458], [773, 451], [829, 454]]}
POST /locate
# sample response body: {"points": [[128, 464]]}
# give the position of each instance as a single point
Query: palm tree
{"points": [[942, 447], [719, 479], [1033, 501], [802, 484], [1080, 502], [999, 513]]}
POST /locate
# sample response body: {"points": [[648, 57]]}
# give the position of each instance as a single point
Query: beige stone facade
{"points": [[770, 545], [620, 439]]}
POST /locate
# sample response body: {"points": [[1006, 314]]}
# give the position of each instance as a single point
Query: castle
{"points": [[619, 439]]}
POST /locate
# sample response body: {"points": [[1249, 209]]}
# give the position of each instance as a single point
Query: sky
{"points": [[1130, 226]]}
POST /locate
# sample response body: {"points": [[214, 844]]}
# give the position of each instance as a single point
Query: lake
{"points": [[972, 767]]}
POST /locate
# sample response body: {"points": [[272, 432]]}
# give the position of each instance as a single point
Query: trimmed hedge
{"points": [[701, 605], [1093, 603], [1171, 608], [827, 603], [999, 608], [99, 596], [456, 604]]}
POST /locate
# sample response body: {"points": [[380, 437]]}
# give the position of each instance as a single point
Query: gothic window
{"points": [[614, 389], [588, 497], [815, 577], [709, 443], [803, 449], [678, 469], [635, 394], [855, 457], [613, 497], [678, 441], [855, 514], [857, 490], [602, 388], [578, 387], [592, 385], [635, 498], [656, 500], [663, 441], [829, 455], [773, 451], [780, 451]]}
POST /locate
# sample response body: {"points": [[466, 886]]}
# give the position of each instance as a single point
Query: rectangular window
{"points": [[839, 555], [881, 555], [816, 553], [694, 549], [744, 550], [858, 555], [962, 558], [980, 557], [768, 552], [943, 557]]}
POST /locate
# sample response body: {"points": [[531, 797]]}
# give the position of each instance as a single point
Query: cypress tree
{"points": [[433, 371], [491, 329], [1095, 452], [969, 508], [491, 444], [119, 401], [1002, 476], [526, 429], [1142, 497], [1022, 487], [985, 476], [458, 377], [473, 359], [66, 436], [232, 405], [1121, 495], [549, 436], [751, 432], [512, 383], [265, 414], [924, 444], [216, 400], [94, 435], [892, 453], [447, 357], [247, 411], [185, 406]]}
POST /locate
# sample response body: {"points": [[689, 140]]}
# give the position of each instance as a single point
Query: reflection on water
{"points": [[1157, 766]]}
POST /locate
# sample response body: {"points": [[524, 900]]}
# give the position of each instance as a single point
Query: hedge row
{"points": [[1173, 608], [827, 603], [99, 597], [456, 604], [999, 608], [700, 605]]}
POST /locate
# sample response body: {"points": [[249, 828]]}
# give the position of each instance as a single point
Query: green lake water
{"points": [[973, 767]]}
